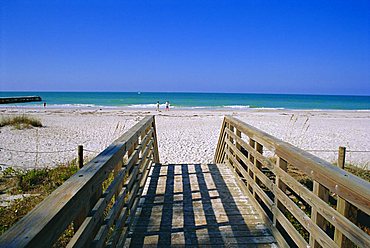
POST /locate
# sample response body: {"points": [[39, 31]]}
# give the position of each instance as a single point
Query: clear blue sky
{"points": [[280, 46]]}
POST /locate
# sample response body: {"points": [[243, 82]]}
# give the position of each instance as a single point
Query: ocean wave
{"points": [[237, 106], [147, 106], [74, 105], [78, 105], [263, 108]]}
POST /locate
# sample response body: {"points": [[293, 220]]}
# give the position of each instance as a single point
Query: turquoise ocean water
{"points": [[195, 100]]}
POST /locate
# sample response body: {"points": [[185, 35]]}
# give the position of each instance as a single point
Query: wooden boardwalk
{"points": [[196, 205], [124, 197]]}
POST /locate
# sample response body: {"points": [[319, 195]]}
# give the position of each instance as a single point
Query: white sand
{"points": [[184, 135]]}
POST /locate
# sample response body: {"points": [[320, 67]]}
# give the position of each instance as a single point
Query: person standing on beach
{"points": [[167, 106], [158, 106]]}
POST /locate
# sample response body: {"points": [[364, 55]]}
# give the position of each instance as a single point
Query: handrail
{"points": [[241, 147], [100, 200]]}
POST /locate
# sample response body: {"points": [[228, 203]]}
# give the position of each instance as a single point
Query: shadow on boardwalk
{"points": [[192, 205]]}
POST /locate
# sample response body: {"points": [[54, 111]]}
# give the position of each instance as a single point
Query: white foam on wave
{"points": [[270, 108], [237, 106], [74, 105], [147, 106], [83, 106], [200, 107]]}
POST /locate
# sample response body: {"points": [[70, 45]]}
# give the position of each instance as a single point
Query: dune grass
{"points": [[20, 122], [37, 182]]}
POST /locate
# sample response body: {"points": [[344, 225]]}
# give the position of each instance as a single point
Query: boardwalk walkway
{"points": [[124, 197], [196, 205]]}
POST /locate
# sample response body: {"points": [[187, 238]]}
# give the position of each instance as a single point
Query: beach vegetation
{"points": [[357, 171], [33, 185], [20, 122]]}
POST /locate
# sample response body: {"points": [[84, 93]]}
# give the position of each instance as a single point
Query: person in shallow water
{"points": [[158, 106], [167, 106]]}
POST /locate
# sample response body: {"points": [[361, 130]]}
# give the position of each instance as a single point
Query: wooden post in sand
{"points": [[80, 152], [341, 157]]}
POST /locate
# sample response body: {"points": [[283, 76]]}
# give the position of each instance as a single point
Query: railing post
{"points": [[257, 165], [116, 170], [316, 218], [341, 157], [251, 159], [155, 144], [320, 221], [282, 164], [238, 146], [344, 207], [80, 153], [231, 127], [226, 156]]}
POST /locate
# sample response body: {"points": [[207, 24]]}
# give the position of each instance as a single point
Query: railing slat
{"points": [[293, 233], [256, 189]]}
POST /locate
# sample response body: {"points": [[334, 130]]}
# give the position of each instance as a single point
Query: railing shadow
{"points": [[194, 207]]}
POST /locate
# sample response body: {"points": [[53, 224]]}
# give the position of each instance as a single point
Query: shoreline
{"points": [[184, 135], [137, 107]]}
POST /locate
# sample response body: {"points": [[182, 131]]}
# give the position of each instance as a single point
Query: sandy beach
{"points": [[184, 135]]}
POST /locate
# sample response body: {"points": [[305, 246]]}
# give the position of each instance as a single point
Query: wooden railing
{"points": [[98, 203], [317, 212]]}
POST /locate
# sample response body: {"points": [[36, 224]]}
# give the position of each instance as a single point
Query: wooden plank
{"points": [[207, 241]]}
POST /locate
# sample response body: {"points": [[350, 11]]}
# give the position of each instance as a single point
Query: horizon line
{"points": [[186, 92]]}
